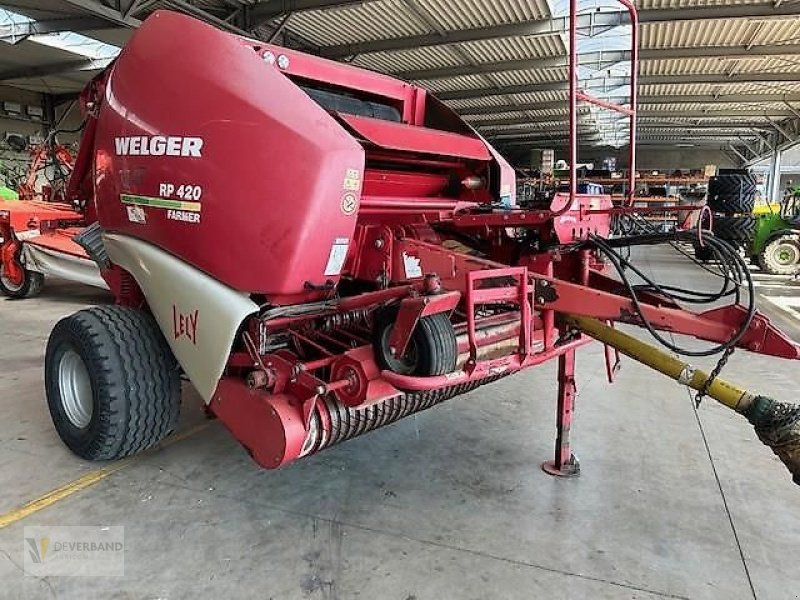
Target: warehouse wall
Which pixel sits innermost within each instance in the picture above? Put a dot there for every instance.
(662, 158)
(648, 158)
(682, 158)
(23, 120)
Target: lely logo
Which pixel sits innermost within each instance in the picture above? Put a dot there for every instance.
(184, 325)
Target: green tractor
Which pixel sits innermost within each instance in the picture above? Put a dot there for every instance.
(776, 235)
(768, 234)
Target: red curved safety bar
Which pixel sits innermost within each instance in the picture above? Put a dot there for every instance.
(575, 95)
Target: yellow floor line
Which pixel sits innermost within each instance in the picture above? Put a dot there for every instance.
(87, 480)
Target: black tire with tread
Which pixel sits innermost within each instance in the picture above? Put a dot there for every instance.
(434, 340)
(766, 257)
(732, 193)
(703, 253)
(32, 285)
(134, 376)
(738, 231)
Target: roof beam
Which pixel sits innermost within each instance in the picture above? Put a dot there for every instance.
(550, 86)
(591, 59)
(614, 82)
(661, 114)
(539, 28)
(558, 25)
(599, 60)
(643, 100)
(104, 12)
(643, 127)
(264, 11)
(731, 11)
(16, 32)
(53, 69)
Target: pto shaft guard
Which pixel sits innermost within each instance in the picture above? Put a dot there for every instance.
(777, 424)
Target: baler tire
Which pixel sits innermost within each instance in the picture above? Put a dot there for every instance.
(433, 342)
(112, 383)
(32, 284)
(770, 262)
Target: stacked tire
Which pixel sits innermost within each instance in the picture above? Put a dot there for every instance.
(736, 230)
(732, 193)
(732, 196)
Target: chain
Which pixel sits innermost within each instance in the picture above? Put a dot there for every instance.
(713, 375)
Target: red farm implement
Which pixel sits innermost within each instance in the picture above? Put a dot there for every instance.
(324, 250)
(36, 231)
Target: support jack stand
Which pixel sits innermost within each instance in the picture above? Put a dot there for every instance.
(565, 463)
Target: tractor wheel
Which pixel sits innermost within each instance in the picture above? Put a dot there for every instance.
(113, 385)
(738, 231)
(432, 349)
(30, 286)
(781, 256)
(732, 193)
(703, 253)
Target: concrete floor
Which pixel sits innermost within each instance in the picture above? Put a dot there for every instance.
(450, 504)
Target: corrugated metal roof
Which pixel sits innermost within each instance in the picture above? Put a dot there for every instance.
(721, 65)
(429, 57)
(508, 78)
(476, 119)
(358, 23)
(487, 101)
(402, 21)
(514, 48)
(710, 106)
(461, 14)
(645, 4)
(464, 82)
(726, 32)
(713, 89)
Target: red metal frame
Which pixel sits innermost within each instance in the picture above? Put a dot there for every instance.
(34, 221)
(575, 95)
(565, 464)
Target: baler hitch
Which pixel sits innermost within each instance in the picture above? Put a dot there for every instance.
(777, 424)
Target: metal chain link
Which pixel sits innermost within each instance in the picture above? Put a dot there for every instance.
(713, 375)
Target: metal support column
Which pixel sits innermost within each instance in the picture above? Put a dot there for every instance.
(775, 176)
(48, 114)
(564, 464)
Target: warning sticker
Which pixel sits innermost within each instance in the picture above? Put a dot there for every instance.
(352, 180)
(412, 266)
(337, 256)
(136, 214)
(349, 203)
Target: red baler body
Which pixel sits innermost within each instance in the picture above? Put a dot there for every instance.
(321, 194)
(266, 180)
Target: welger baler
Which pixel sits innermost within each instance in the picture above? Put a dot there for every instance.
(323, 250)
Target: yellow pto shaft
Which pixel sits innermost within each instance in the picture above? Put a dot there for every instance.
(776, 423)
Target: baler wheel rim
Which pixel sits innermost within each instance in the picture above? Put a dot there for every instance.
(406, 364)
(433, 343)
(75, 387)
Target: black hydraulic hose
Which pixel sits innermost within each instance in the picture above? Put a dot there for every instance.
(723, 251)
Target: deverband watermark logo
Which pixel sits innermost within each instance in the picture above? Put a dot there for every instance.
(74, 551)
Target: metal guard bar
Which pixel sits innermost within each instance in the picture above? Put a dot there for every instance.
(575, 95)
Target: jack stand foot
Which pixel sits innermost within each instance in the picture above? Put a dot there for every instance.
(564, 464)
(572, 468)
